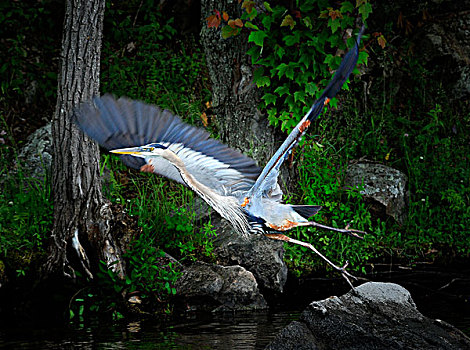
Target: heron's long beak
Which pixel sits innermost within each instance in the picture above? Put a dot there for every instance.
(131, 150)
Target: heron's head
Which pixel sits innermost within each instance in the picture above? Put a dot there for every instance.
(150, 150)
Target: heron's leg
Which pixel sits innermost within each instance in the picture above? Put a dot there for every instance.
(349, 231)
(344, 273)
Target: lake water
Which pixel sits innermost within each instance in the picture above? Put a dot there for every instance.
(438, 294)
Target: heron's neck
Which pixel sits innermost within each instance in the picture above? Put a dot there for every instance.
(226, 206)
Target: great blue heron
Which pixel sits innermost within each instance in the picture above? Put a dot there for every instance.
(157, 141)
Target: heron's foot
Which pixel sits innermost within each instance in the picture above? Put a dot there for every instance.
(346, 275)
(353, 232)
(349, 231)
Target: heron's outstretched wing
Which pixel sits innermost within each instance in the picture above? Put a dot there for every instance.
(269, 175)
(119, 123)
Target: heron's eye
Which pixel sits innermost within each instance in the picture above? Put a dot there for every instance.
(148, 149)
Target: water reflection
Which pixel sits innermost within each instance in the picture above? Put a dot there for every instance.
(437, 294)
(241, 331)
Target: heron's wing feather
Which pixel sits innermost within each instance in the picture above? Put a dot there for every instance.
(270, 172)
(120, 123)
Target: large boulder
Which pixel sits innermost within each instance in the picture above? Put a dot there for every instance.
(36, 154)
(258, 254)
(376, 316)
(210, 287)
(382, 186)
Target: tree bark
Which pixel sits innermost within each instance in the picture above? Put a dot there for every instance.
(81, 232)
(235, 96)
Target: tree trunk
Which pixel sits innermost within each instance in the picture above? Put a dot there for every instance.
(81, 232)
(235, 96)
(242, 126)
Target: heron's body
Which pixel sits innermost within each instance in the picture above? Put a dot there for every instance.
(157, 141)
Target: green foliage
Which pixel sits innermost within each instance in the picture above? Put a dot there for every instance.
(322, 168)
(25, 213)
(26, 50)
(294, 52)
(144, 59)
(431, 147)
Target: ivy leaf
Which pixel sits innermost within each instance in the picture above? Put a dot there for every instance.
(334, 14)
(287, 70)
(269, 98)
(308, 22)
(292, 39)
(213, 21)
(257, 37)
(251, 26)
(225, 16)
(290, 72)
(382, 41)
(229, 31)
(305, 60)
(235, 23)
(299, 96)
(365, 9)
(267, 6)
(279, 51)
(282, 90)
(311, 89)
(248, 5)
(254, 52)
(288, 21)
(334, 25)
(347, 6)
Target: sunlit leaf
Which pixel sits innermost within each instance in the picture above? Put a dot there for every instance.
(382, 41)
(288, 21)
(257, 37)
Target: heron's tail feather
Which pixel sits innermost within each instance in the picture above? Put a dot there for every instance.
(306, 210)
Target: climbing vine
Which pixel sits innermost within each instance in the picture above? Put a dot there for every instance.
(295, 50)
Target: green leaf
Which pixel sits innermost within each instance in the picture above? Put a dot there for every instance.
(257, 37)
(307, 22)
(288, 21)
(267, 6)
(263, 81)
(269, 98)
(281, 69)
(279, 50)
(334, 24)
(259, 78)
(347, 7)
(258, 73)
(311, 89)
(292, 39)
(305, 59)
(228, 31)
(254, 52)
(251, 25)
(299, 96)
(365, 10)
(282, 90)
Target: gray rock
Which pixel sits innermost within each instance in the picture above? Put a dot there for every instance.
(36, 154)
(379, 316)
(384, 187)
(219, 288)
(256, 253)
